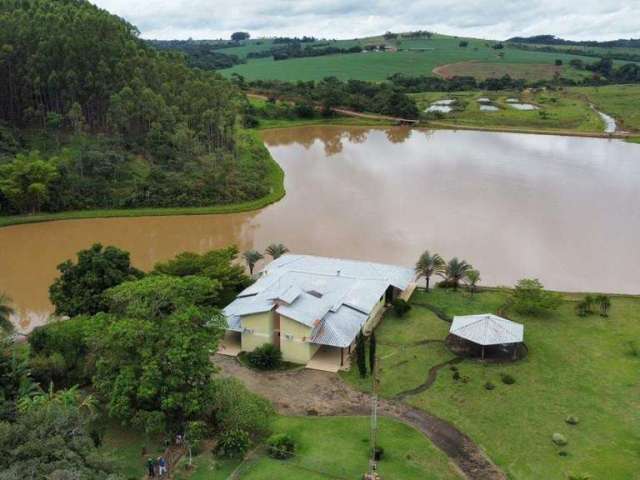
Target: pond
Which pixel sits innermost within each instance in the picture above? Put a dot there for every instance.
(565, 210)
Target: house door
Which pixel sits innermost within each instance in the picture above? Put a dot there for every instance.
(276, 329)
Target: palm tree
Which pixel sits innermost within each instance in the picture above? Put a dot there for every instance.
(252, 257)
(427, 265)
(5, 313)
(473, 277)
(455, 271)
(276, 250)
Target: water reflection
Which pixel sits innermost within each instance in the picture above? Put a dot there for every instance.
(513, 205)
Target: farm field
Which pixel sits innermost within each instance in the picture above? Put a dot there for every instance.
(576, 366)
(414, 57)
(558, 111)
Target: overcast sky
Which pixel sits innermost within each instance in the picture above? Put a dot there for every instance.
(492, 19)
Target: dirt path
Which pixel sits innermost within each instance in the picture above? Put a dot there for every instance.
(431, 377)
(311, 392)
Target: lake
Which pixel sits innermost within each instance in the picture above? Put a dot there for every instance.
(565, 210)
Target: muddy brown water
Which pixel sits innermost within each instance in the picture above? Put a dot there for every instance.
(565, 210)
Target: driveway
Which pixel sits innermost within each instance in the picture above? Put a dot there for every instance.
(311, 392)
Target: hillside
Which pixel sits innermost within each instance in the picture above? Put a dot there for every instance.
(415, 55)
(93, 118)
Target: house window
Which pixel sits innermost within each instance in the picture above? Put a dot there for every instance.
(288, 337)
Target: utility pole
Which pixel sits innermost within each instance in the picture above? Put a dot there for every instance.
(372, 473)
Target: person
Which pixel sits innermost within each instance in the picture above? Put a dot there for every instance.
(150, 467)
(162, 466)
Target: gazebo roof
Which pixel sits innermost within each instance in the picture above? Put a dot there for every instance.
(487, 329)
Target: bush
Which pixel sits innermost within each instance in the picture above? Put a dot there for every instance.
(401, 307)
(530, 298)
(559, 439)
(378, 453)
(236, 408)
(266, 357)
(456, 375)
(507, 379)
(489, 386)
(233, 443)
(571, 420)
(281, 446)
(634, 349)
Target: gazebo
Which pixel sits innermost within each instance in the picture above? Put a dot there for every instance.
(488, 330)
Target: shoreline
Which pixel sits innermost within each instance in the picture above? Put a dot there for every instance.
(277, 175)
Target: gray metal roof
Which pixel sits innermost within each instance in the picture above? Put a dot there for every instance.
(332, 295)
(487, 329)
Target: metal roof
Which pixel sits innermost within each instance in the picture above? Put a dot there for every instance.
(333, 296)
(487, 329)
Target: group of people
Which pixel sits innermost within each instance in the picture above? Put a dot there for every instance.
(157, 466)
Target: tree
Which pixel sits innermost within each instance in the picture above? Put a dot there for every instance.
(252, 257)
(372, 351)
(604, 301)
(80, 287)
(6, 325)
(153, 364)
(463, 43)
(219, 265)
(455, 271)
(276, 250)
(530, 298)
(15, 381)
(52, 437)
(239, 36)
(25, 181)
(558, 62)
(427, 265)
(361, 358)
(473, 277)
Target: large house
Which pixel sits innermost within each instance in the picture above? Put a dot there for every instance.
(312, 306)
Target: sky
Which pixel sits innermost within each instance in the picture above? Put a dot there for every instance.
(343, 19)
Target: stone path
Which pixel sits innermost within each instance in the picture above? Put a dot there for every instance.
(311, 392)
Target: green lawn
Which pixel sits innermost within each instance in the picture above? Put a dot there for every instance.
(125, 445)
(576, 366)
(338, 448)
(205, 467)
(415, 57)
(558, 111)
(620, 101)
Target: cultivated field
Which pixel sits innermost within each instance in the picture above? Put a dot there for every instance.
(576, 366)
(414, 57)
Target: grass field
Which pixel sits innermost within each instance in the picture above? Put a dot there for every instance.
(558, 111)
(338, 448)
(620, 101)
(576, 366)
(415, 57)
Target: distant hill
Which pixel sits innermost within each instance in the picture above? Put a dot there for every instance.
(553, 40)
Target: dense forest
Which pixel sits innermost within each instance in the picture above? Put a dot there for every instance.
(92, 117)
(199, 53)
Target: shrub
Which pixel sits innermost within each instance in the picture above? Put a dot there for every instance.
(456, 375)
(559, 439)
(453, 368)
(507, 379)
(378, 453)
(571, 420)
(281, 446)
(265, 357)
(233, 443)
(634, 349)
(236, 408)
(489, 386)
(530, 298)
(401, 307)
